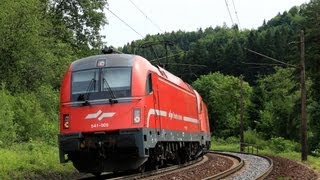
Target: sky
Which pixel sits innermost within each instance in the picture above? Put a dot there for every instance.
(160, 16)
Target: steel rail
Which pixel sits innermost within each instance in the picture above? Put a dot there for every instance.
(221, 175)
(159, 171)
(232, 171)
(266, 173)
(229, 171)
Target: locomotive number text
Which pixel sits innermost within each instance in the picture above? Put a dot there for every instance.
(99, 125)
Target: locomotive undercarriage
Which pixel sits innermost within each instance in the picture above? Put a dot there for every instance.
(126, 150)
(168, 153)
(164, 154)
(99, 152)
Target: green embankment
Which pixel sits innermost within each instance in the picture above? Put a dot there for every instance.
(32, 160)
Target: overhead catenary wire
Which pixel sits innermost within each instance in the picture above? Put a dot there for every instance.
(263, 64)
(124, 22)
(229, 11)
(236, 13)
(153, 60)
(273, 59)
(157, 59)
(144, 14)
(182, 64)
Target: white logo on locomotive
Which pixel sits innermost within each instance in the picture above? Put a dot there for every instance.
(100, 115)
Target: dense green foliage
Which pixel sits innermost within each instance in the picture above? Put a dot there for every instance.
(278, 99)
(222, 96)
(39, 39)
(7, 133)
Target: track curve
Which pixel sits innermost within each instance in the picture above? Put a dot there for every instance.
(214, 165)
(255, 166)
(147, 174)
(236, 166)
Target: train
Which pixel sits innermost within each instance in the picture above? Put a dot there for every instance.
(118, 112)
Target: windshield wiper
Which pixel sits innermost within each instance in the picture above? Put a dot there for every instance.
(113, 97)
(85, 97)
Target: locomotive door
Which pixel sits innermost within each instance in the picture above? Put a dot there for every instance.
(156, 102)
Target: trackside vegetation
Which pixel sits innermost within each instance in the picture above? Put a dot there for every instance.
(40, 38)
(276, 146)
(33, 160)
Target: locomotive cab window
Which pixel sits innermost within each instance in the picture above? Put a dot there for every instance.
(101, 83)
(149, 84)
(85, 81)
(116, 80)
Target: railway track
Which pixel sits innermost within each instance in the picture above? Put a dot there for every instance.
(148, 174)
(252, 167)
(214, 165)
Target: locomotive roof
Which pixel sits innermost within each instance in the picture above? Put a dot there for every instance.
(116, 60)
(110, 59)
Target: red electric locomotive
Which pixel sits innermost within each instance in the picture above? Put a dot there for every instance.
(119, 112)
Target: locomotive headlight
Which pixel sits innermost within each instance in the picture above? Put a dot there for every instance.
(101, 63)
(136, 115)
(66, 121)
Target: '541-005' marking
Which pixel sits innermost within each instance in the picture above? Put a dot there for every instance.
(99, 125)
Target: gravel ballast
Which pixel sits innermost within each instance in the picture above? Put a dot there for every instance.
(214, 165)
(287, 169)
(254, 166)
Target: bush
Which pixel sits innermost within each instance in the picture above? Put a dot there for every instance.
(8, 127)
(232, 140)
(27, 116)
(218, 140)
(49, 101)
(229, 140)
(316, 151)
(251, 137)
(255, 139)
(279, 144)
(221, 94)
(32, 120)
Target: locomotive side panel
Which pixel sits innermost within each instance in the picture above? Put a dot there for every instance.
(180, 105)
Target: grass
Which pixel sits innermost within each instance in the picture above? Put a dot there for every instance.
(225, 147)
(31, 160)
(313, 162)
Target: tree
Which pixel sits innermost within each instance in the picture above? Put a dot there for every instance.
(7, 134)
(279, 111)
(312, 29)
(222, 96)
(23, 52)
(78, 22)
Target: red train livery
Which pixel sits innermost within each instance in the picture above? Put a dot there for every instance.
(119, 112)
